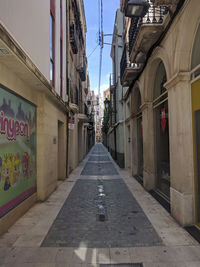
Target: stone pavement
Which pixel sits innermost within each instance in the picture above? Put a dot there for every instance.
(99, 216)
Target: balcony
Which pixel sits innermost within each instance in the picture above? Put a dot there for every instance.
(73, 38)
(128, 71)
(144, 32)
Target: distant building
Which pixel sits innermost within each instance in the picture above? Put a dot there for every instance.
(114, 139)
(106, 94)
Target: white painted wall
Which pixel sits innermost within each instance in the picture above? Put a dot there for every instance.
(28, 23)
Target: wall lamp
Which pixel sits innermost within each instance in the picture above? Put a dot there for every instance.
(136, 8)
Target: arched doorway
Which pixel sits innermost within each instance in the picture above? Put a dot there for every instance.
(161, 128)
(195, 87)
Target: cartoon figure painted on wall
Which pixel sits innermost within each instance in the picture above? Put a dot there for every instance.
(30, 164)
(25, 159)
(15, 168)
(6, 172)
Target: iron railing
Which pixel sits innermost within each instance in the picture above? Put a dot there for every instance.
(125, 62)
(155, 15)
(73, 38)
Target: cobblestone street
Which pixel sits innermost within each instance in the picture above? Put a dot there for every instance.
(100, 216)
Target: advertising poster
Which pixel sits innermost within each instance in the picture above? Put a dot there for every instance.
(17, 150)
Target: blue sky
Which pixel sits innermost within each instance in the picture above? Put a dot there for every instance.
(92, 20)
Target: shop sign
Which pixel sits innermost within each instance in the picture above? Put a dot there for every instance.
(163, 119)
(17, 150)
(71, 123)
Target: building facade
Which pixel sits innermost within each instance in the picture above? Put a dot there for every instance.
(40, 76)
(116, 123)
(78, 82)
(161, 98)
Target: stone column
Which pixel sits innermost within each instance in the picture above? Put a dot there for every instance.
(181, 148)
(149, 176)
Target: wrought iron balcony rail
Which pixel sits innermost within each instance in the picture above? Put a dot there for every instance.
(73, 38)
(125, 63)
(78, 21)
(155, 15)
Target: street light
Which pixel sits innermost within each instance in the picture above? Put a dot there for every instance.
(106, 103)
(136, 8)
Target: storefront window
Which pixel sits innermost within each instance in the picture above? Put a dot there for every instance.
(161, 132)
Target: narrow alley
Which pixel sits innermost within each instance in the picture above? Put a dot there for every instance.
(99, 216)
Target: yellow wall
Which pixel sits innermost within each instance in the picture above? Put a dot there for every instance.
(195, 107)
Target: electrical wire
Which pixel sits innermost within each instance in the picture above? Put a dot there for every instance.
(100, 68)
(92, 51)
(100, 42)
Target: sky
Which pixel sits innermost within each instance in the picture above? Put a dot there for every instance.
(92, 21)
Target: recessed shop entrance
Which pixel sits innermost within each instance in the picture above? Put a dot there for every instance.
(161, 129)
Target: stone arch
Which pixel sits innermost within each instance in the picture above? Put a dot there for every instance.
(195, 56)
(152, 67)
(136, 90)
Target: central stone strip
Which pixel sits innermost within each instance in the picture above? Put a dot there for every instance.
(77, 225)
(99, 169)
(99, 158)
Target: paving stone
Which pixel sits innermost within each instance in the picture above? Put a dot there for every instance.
(122, 265)
(77, 225)
(99, 158)
(99, 169)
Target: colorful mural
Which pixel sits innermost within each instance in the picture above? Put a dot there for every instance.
(17, 150)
